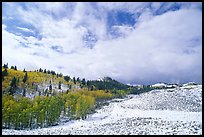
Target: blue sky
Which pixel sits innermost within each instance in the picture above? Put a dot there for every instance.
(132, 42)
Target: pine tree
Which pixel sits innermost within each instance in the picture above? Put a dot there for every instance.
(83, 81)
(5, 66)
(25, 77)
(15, 68)
(60, 75)
(50, 87)
(48, 71)
(74, 80)
(12, 67)
(66, 78)
(24, 92)
(78, 79)
(5, 72)
(53, 72)
(13, 86)
(70, 87)
(60, 85)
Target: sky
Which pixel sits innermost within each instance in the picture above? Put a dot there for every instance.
(132, 42)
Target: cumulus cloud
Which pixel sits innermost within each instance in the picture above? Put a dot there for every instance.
(164, 47)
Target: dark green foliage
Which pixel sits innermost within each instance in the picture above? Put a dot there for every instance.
(12, 67)
(106, 84)
(24, 92)
(70, 87)
(40, 70)
(83, 81)
(67, 78)
(4, 73)
(48, 71)
(88, 83)
(141, 89)
(13, 86)
(74, 80)
(53, 72)
(15, 68)
(5, 66)
(25, 78)
(44, 70)
(50, 87)
(60, 75)
(60, 85)
(24, 70)
(78, 79)
(13, 82)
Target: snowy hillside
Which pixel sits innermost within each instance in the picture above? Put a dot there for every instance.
(165, 111)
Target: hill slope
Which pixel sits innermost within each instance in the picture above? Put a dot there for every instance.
(162, 112)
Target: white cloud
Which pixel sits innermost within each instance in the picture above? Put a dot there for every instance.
(25, 29)
(166, 47)
(90, 17)
(125, 6)
(156, 5)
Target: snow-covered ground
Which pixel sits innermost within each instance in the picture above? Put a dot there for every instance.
(171, 111)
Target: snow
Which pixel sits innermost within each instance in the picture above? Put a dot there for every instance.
(159, 85)
(175, 111)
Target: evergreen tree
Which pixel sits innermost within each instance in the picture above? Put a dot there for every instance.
(24, 70)
(13, 82)
(88, 84)
(25, 77)
(24, 92)
(66, 78)
(44, 70)
(13, 86)
(5, 72)
(60, 75)
(83, 81)
(53, 72)
(50, 87)
(74, 80)
(12, 67)
(15, 68)
(70, 87)
(5, 66)
(48, 71)
(60, 85)
(40, 70)
(78, 79)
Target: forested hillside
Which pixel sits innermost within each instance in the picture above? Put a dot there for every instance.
(32, 99)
